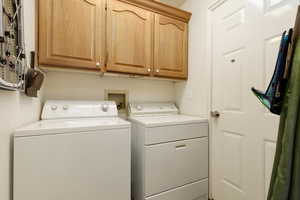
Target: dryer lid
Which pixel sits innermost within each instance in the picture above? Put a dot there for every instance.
(167, 120)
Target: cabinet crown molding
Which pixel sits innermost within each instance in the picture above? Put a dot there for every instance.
(162, 9)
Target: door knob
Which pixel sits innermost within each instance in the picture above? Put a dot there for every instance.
(215, 114)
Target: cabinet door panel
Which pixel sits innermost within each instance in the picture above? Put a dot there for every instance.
(174, 164)
(70, 32)
(170, 58)
(129, 38)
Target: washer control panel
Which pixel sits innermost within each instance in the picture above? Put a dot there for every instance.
(79, 109)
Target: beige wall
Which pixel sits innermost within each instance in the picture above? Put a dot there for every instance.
(76, 86)
(15, 110)
(176, 3)
(192, 96)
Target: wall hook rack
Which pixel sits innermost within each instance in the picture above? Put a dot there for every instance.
(12, 45)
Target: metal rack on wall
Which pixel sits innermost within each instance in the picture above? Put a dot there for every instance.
(12, 46)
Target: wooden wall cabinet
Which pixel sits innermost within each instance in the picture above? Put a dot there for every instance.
(71, 33)
(129, 38)
(170, 49)
(142, 37)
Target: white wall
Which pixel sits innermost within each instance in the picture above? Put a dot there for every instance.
(15, 110)
(76, 86)
(192, 96)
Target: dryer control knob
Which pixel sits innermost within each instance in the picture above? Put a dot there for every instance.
(65, 107)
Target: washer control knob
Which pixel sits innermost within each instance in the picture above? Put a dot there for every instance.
(139, 107)
(53, 107)
(105, 107)
(65, 107)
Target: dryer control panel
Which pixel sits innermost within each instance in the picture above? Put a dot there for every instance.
(137, 109)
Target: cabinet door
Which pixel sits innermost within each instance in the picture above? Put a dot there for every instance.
(170, 59)
(129, 39)
(70, 33)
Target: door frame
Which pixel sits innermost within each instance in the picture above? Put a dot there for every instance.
(209, 46)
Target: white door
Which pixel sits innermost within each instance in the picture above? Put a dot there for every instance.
(245, 41)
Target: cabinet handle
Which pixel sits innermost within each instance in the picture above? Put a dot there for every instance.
(98, 64)
(149, 70)
(157, 70)
(181, 146)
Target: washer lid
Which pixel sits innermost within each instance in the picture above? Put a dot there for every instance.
(79, 109)
(59, 126)
(167, 120)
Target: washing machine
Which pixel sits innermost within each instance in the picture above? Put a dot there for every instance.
(169, 153)
(79, 150)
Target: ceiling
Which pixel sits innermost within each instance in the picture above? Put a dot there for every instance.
(175, 3)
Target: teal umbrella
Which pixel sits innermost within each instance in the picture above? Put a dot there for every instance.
(272, 98)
